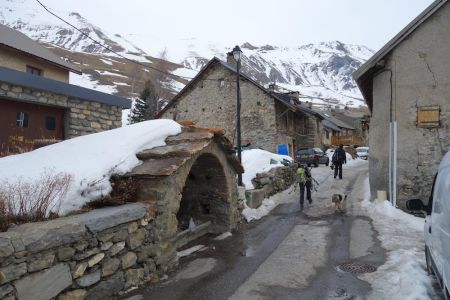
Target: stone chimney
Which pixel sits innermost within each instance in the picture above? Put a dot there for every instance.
(295, 97)
(272, 87)
(230, 59)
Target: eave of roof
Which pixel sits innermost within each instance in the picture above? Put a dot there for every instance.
(365, 72)
(18, 41)
(44, 84)
(328, 124)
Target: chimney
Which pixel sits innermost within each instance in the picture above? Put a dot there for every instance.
(272, 87)
(230, 59)
(295, 97)
(310, 104)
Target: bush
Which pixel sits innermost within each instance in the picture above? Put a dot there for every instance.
(24, 201)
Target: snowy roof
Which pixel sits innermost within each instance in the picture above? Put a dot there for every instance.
(41, 83)
(363, 76)
(19, 41)
(215, 60)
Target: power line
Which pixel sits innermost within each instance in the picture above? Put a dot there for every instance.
(111, 50)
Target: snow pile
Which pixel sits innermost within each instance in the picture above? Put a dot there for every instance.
(268, 204)
(189, 251)
(403, 276)
(223, 236)
(258, 161)
(90, 159)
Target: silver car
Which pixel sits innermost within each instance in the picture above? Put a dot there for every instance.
(437, 225)
(362, 152)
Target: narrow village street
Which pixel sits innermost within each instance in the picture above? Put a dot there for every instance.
(288, 254)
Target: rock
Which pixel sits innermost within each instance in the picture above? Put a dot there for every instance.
(116, 248)
(21, 254)
(73, 295)
(41, 262)
(44, 285)
(146, 251)
(79, 270)
(17, 244)
(86, 254)
(106, 246)
(120, 235)
(81, 245)
(12, 272)
(134, 277)
(128, 260)
(107, 288)
(144, 222)
(104, 218)
(89, 279)
(132, 227)
(96, 259)
(110, 266)
(105, 237)
(6, 248)
(150, 265)
(65, 253)
(5, 290)
(136, 239)
(40, 236)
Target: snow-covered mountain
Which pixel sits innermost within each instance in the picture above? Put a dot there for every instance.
(321, 72)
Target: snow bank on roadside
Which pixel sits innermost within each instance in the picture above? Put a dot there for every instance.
(268, 204)
(403, 276)
(90, 159)
(258, 161)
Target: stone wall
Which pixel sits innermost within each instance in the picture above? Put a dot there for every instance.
(417, 74)
(89, 256)
(270, 183)
(81, 117)
(212, 103)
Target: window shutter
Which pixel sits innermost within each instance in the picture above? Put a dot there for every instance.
(428, 116)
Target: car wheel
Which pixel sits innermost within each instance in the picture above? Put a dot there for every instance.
(428, 261)
(316, 165)
(327, 163)
(309, 165)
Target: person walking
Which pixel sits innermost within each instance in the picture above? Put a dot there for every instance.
(339, 158)
(305, 183)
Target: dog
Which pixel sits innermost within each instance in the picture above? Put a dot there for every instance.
(338, 201)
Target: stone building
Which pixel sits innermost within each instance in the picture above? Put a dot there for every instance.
(38, 105)
(268, 119)
(406, 86)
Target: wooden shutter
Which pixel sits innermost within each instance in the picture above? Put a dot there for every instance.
(428, 116)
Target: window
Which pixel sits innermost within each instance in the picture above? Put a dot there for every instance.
(22, 119)
(50, 123)
(34, 71)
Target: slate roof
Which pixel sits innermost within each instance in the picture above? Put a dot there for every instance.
(41, 83)
(334, 121)
(363, 76)
(19, 41)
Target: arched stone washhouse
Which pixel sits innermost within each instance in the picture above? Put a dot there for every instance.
(193, 176)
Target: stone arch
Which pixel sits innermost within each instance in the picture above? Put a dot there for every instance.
(205, 196)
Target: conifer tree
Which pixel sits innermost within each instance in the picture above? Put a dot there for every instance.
(146, 106)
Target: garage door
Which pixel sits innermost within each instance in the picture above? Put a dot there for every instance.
(25, 126)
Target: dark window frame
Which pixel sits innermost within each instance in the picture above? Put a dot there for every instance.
(50, 123)
(22, 119)
(34, 71)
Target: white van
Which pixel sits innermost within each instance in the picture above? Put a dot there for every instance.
(437, 225)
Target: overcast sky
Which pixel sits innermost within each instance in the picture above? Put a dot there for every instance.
(281, 22)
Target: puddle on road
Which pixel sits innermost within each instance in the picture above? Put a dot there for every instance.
(196, 268)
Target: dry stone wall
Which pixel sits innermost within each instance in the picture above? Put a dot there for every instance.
(91, 256)
(82, 116)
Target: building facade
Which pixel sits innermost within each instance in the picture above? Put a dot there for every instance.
(38, 106)
(268, 119)
(406, 86)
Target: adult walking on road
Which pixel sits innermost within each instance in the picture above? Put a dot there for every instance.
(339, 158)
(305, 182)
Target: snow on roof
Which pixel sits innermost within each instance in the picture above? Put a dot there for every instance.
(90, 158)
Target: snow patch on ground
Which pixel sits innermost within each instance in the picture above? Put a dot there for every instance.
(258, 161)
(89, 159)
(223, 236)
(268, 204)
(403, 276)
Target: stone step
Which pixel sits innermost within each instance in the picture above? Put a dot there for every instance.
(159, 167)
(176, 150)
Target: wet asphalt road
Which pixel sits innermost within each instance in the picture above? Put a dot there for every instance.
(287, 255)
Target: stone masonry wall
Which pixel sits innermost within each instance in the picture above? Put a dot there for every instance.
(82, 116)
(90, 256)
(212, 103)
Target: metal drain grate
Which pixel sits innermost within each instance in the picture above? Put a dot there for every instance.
(357, 268)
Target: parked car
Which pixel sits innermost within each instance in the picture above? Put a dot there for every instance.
(437, 225)
(312, 156)
(363, 152)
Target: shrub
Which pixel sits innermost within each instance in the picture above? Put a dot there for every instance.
(124, 191)
(23, 201)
